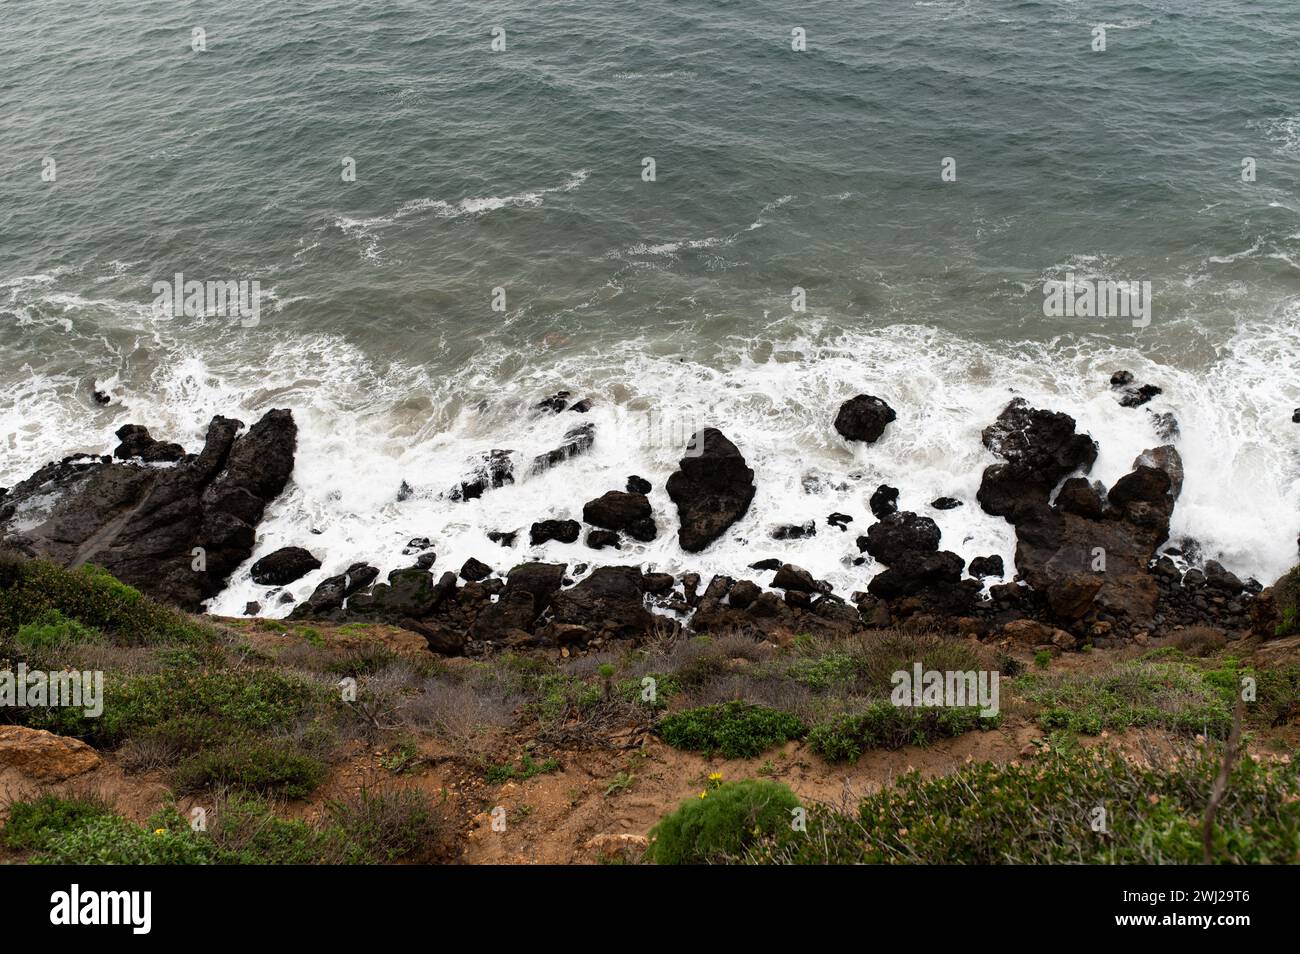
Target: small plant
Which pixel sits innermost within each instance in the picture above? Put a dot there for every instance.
(527, 768)
(720, 823)
(254, 766)
(401, 758)
(32, 825)
(1043, 658)
(733, 729)
(621, 783)
(884, 725)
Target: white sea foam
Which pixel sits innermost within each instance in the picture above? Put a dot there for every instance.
(365, 429)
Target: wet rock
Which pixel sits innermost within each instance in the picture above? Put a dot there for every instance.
(1166, 458)
(252, 608)
(841, 520)
(492, 471)
(900, 534)
(983, 566)
(283, 566)
(657, 584)
(473, 570)
(330, 593)
(638, 485)
(863, 418)
(565, 531)
(409, 593)
(143, 524)
(609, 602)
(912, 572)
(529, 590)
(790, 577)
(599, 539)
(945, 503)
(1218, 578)
(415, 545)
(769, 564)
(884, 501)
(426, 560)
(743, 593)
(554, 404)
(1165, 425)
(577, 440)
(1136, 397)
(1038, 449)
(1121, 379)
(644, 529)
(794, 531)
(504, 538)
(581, 407)
(136, 443)
(712, 489)
(1081, 497)
(616, 510)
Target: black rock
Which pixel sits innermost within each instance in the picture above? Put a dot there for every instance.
(565, 531)
(503, 537)
(790, 577)
(712, 489)
(136, 442)
(884, 501)
(794, 531)
(556, 403)
(841, 520)
(900, 534)
(1136, 397)
(616, 510)
(145, 524)
(426, 560)
(863, 418)
(576, 440)
(581, 407)
(599, 539)
(329, 594)
(492, 471)
(945, 503)
(474, 570)
(283, 566)
(638, 485)
(769, 564)
(987, 566)
(1121, 379)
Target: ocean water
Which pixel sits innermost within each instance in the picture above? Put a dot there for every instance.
(667, 302)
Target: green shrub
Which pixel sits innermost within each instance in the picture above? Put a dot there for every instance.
(374, 827)
(733, 729)
(718, 826)
(189, 709)
(884, 725)
(53, 630)
(251, 765)
(29, 589)
(1042, 812)
(33, 824)
(112, 840)
(1178, 696)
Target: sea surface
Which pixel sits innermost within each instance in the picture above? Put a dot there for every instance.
(668, 302)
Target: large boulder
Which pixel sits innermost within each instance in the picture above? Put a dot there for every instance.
(529, 590)
(863, 418)
(44, 757)
(900, 534)
(326, 601)
(283, 566)
(176, 533)
(610, 602)
(712, 489)
(617, 510)
(1038, 449)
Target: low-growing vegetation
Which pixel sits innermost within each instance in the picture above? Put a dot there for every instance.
(723, 822)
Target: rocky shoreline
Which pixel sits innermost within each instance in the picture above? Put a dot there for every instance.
(1090, 569)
